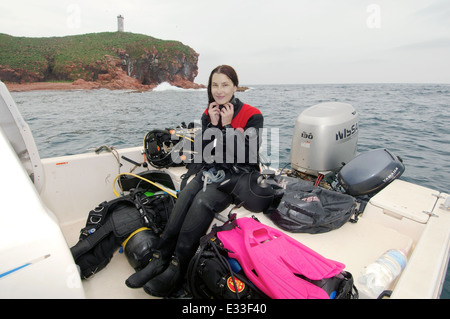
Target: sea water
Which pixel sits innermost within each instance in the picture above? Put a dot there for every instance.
(410, 120)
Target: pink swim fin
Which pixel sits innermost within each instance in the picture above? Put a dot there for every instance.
(271, 259)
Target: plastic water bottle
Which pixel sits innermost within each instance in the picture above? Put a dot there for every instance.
(379, 275)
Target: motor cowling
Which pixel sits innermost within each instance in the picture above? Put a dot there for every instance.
(325, 137)
(370, 172)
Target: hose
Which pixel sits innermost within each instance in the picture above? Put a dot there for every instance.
(212, 176)
(162, 187)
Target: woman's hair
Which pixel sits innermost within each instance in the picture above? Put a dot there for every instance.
(223, 69)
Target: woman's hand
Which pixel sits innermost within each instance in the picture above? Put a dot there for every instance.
(214, 113)
(227, 113)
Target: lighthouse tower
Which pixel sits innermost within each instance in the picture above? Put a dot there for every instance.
(120, 23)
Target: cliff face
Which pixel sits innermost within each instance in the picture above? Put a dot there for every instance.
(112, 60)
(154, 67)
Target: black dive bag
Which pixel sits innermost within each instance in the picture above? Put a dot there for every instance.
(301, 207)
(212, 275)
(112, 222)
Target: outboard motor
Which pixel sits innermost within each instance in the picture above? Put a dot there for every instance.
(370, 172)
(325, 137)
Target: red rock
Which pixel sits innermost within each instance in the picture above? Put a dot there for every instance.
(113, 75)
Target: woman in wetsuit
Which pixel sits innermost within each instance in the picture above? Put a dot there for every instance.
(230, 135)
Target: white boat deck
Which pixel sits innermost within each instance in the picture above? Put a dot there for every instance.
(387, 223)
(364, 239)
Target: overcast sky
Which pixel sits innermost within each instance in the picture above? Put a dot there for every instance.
(266, 41)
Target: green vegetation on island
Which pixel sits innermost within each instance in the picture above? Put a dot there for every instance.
(86, 56)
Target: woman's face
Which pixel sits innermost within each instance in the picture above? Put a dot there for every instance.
(222, 88)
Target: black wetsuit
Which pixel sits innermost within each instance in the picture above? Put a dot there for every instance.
(195, 208)
(196, 203)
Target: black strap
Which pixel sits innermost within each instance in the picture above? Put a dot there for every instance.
(91, 241)
(98, 226)
(228, 225)
(193, 168)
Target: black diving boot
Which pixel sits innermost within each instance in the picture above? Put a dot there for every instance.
(167, 282)
(155, 266)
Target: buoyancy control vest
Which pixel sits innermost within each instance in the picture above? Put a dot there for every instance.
(112, 222)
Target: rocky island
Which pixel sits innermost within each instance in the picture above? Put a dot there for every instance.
(113, 60)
